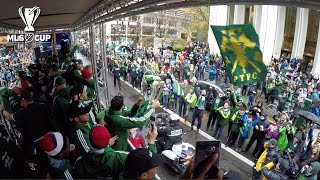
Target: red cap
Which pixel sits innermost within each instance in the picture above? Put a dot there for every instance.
(51, 143)
(86, 73)
(99, 137)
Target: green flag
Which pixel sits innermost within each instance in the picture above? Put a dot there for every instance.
(240, 50)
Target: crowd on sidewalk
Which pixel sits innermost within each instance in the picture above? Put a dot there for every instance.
(172, 77)
(51, 128)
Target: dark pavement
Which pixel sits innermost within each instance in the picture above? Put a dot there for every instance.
(229, 159)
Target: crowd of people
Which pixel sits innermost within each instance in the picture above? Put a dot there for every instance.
(50, 126)
(242, 111)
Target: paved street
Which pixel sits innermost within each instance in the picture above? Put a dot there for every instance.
(229, 160)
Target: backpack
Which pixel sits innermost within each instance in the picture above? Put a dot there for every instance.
(290, 167)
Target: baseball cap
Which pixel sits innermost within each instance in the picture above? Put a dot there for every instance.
(60, 80)
(79, 61)
(273, 141)
(86, 73)
(77, 109)
(51, 143)
(140, 161)
(99, 137)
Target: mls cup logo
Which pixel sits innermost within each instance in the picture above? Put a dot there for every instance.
(29, 17)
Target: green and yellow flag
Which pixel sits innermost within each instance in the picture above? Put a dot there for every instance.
(240, 50)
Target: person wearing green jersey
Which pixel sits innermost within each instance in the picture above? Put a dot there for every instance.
(223, 117)
(200, 107)
(120, 120)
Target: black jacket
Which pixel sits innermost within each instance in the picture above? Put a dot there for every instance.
(173, 135)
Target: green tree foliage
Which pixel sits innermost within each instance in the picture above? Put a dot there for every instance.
(199, 22)
(147, 41)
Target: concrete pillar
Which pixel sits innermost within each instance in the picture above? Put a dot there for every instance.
(257, 18)
(280, 31)
(239, 14)
(271, 31)
(218, 16)
(268, 31)
(300, 34)
(54, 43)
(316, 63)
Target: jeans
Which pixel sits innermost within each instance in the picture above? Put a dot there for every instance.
(218, 131)
(198, 113)
(241, 141)
(201, 75)
(258, 144)
(212, 117)
(134, 81)
(115, 80)
(182, 107)
(165, 100)
(233, 136)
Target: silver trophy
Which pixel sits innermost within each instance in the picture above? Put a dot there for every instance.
(29, 17)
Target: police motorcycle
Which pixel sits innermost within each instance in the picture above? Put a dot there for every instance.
(169, 142)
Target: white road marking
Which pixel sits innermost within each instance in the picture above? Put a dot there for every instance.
(206, 135)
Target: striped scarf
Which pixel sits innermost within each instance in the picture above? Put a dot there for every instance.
(176, 87)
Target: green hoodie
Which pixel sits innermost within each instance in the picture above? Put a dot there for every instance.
(314, 173)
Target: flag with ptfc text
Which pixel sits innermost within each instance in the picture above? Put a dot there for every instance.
(240, 50)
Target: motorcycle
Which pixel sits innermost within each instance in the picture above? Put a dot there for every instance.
(179, 155)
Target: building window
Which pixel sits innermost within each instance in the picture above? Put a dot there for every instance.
(312, 32)
(249, 13)
(289, 29)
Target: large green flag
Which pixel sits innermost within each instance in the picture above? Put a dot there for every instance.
(240, 50)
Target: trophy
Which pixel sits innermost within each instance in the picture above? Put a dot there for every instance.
(29, 17)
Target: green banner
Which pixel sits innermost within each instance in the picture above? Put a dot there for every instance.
(240, 50)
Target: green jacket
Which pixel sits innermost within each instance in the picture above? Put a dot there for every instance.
(80, 137)
(100, 164)
(283, 139)
(103, 163)
(60, 169)
(120, 122)
(236, 122)
(191, 100)
(223, 116)
(314, 173)
(60, 107)
(278, 85)
(91, 93)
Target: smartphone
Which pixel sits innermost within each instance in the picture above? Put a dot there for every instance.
(205, 148)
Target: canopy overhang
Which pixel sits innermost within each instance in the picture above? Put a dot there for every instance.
(79, 14)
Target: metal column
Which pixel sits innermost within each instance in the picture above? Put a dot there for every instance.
(94, 65)
(54, 42)
(104, 72)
